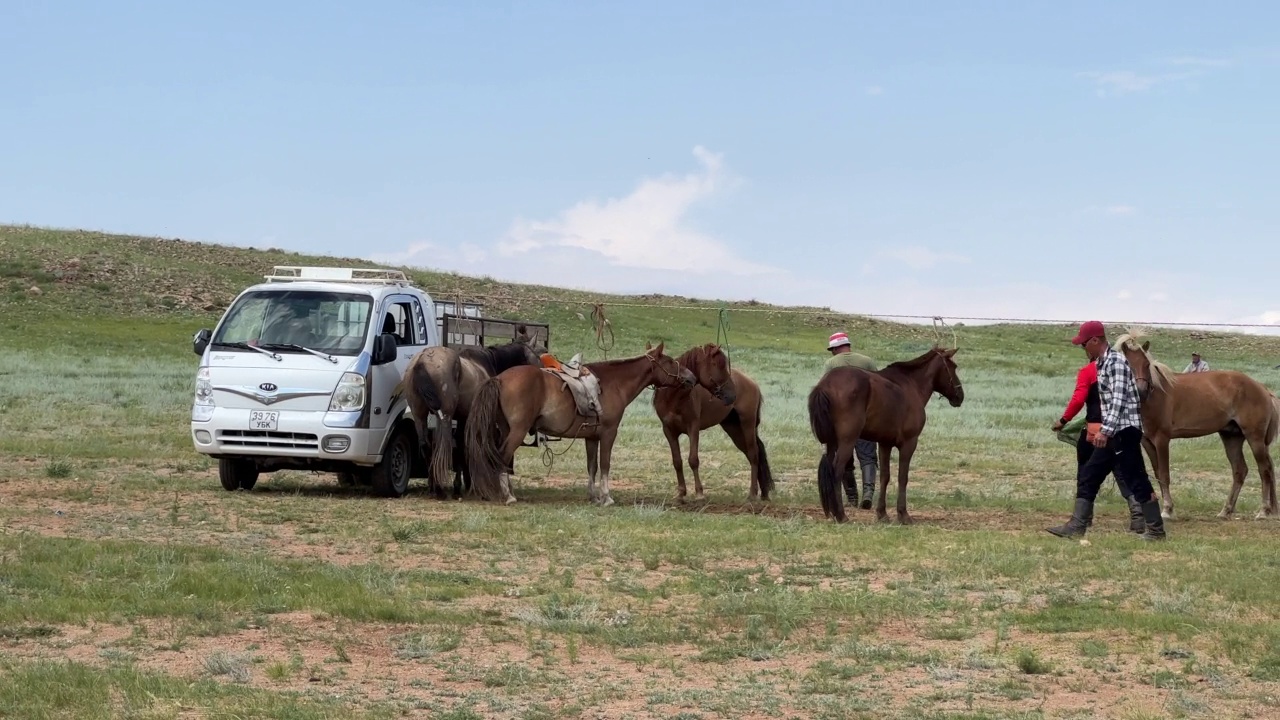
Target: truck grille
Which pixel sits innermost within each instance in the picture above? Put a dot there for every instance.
(269, 439)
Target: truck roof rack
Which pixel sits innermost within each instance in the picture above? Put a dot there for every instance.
(362, 276)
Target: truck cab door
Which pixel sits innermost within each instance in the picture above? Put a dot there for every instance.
(401, 315)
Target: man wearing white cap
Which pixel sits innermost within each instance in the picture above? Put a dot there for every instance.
(842, 355)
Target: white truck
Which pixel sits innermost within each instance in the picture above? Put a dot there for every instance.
(301, 372)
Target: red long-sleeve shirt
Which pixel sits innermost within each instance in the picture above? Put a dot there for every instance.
(1087, 376)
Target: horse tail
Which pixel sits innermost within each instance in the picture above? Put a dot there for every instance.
(820, 423)
(824, 430)
(429, 398)
(766, 475)
(486, 434)
(1273, 427)
(762, 457)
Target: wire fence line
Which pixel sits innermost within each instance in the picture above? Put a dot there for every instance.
(737, 308)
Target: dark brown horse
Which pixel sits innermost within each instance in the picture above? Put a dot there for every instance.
(1232, 404)
(723, 397)
(523, 399)
(444, 382)
(886, 407)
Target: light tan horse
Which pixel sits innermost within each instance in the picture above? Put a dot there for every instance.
(1232, 404)
(512, 404)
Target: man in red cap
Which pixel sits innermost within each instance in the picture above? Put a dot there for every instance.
(842, 355)
(1118, 443)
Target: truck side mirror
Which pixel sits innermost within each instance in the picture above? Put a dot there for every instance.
(201, 341)
(384, 349)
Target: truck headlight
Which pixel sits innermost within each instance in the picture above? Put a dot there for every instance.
(204, 388)
(349, 395)
(202, 407)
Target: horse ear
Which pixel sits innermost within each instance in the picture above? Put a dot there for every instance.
(658, 350)
(952, 352)
(648, 346)
(1146, 345)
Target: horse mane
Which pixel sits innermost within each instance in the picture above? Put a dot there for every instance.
(917, 362)
(687, 359)
(496, 358)
(1162, 375)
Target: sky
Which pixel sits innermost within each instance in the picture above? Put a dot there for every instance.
(1015, 159)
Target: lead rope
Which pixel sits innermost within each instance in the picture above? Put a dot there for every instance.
(602, 325)
(722, 331)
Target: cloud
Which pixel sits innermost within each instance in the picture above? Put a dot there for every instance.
(1117, 210)
(874, 90)
(647, 229)
(1128, 82)
(1171, 71)
(920, 258)
(1203, 62)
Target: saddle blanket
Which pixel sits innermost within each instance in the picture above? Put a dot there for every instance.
(583, 386)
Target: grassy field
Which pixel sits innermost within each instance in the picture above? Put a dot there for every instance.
(132, 585)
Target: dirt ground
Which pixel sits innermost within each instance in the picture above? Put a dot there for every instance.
(519, 674)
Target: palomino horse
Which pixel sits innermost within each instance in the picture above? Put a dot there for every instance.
(444, 381)
(886, 407)
(523, 399)
(1232, 404)
(723, 397)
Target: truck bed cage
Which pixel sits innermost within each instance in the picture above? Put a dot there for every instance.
(361, 276)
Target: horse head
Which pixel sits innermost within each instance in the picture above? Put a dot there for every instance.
(666, 370)
(946, 382)
(1148, 373)
(711, 368)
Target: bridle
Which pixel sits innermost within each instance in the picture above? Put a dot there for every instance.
(719, 389)
(668, 373)
(955, 379)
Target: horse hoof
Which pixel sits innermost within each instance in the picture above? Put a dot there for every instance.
(511, 500)
(905, 519)
(1166, 514)
(1224, 515)
(882, 517)
(608, 500)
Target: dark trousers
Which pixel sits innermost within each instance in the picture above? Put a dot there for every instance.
(864, 455)
(1122, 456)
(1084, 451)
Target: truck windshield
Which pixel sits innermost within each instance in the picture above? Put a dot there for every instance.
(334, 323)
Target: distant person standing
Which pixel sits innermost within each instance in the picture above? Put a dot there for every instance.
(1197, 365)
(842, 355)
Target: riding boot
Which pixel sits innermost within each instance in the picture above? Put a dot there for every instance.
(1153, 521)
(850, 485)
(1137, 521)
(1080, 520)
(868, 485)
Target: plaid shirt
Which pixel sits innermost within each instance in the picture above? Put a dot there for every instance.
(1121, 407)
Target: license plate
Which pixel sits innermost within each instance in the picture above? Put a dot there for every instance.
(263, 419)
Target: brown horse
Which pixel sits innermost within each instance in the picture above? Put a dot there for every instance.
(723, 397)
(1232, 404)
(524, 399)
(444, 382)
(886, 407)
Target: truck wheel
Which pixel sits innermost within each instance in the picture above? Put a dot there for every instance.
(237, 474)
(390, 477)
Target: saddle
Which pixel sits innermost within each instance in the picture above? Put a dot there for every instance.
(583, 386)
